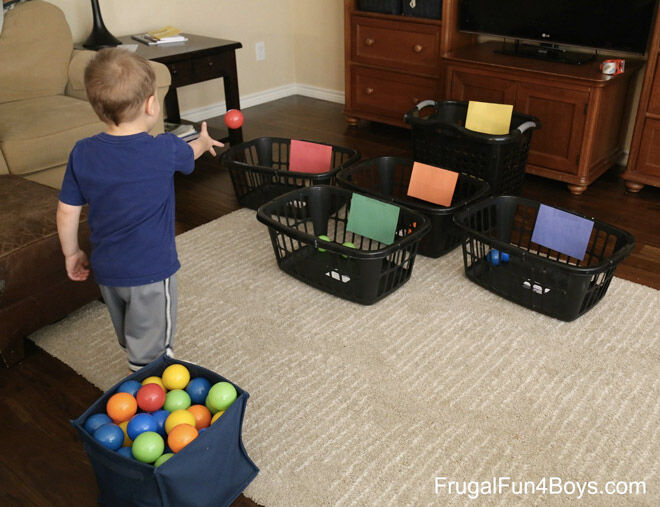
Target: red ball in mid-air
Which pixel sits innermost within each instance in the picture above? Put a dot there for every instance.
(234, 119)
(150, 397)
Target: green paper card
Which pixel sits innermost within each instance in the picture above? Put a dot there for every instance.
(373, 219)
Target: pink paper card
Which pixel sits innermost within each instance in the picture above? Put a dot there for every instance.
(305, 157)
(432, 184)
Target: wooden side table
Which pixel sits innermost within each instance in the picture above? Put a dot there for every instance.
(199, 59)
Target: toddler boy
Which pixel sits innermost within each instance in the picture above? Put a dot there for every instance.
(127, 178)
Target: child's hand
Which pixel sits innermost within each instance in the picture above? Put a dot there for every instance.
(204, 143)
(77, 266)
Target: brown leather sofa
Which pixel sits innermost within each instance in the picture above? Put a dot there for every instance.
(34, 288)
(43, 106)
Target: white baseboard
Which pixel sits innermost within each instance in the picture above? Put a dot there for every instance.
(254, 99)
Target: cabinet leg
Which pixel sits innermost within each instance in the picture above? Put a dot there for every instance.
(633, 186)
(352, 121)
(12, 352)
(577, 189)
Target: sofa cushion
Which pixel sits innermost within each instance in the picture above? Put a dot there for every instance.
(39, 133)
(35, 49)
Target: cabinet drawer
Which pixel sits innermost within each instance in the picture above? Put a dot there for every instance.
(181, 72)
(390, 94)
(404, 46)
(208, 67)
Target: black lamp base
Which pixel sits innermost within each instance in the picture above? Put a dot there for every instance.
(100, 36)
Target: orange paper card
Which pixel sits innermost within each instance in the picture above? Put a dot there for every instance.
(305, 157)
(432, 184)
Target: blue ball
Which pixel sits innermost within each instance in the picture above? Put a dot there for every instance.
(197, 389)
(127, 452)
(95, 421)
(130, 386)
(110, 436)
(140, 423)
(160, 416)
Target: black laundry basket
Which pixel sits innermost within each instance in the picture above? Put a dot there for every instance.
(388, 178)
(441, 139)
(534, 276)
(364, 274)
(259, 169)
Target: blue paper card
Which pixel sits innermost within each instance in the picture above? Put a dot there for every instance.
(561, 231)
(373, 219)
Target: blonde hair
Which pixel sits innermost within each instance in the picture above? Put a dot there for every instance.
(118, 83)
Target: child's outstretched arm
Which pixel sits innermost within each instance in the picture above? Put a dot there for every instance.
(204, 143)
(75, 260)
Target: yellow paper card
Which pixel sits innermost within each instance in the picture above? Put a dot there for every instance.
(432, 184)
(489, 118)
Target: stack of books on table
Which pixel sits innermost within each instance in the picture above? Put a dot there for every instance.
(167, 35)
(182, 131)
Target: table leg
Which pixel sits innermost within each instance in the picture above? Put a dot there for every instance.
(232, 98)
(172, 114)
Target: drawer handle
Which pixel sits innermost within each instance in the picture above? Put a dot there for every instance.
(418, 48)
(173, 69)
(369, 91)
(369, 41)
(415, 100)
(210, 64)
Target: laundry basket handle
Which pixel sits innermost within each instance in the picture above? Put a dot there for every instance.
(525, 126)
(425, 103)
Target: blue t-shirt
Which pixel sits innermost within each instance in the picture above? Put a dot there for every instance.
(128, 182)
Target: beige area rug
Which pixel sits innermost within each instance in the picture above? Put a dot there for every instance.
(355, 405)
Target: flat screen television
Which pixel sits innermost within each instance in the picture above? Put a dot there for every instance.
(614, 25)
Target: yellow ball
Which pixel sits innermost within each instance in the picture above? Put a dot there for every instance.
(179, 417)
(176, 376)
(154, 380)
(127, 441)
(217, 416)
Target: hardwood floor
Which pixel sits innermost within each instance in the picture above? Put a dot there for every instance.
(42, 462)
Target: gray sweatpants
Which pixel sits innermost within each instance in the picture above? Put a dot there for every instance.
(144, 318)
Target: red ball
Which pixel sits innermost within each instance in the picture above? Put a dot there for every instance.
(234, 118)
(150, 397)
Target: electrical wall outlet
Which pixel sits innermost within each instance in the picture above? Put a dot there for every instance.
(260, 50)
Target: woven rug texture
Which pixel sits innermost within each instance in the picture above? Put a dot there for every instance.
(369, 405)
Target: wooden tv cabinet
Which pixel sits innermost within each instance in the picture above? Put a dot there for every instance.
(394, 62)
(583, 112)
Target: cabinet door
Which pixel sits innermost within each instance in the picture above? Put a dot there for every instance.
(649, 149)
(473, 85)
(654, 97)
(562, 113)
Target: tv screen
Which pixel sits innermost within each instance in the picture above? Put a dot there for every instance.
(619, 25)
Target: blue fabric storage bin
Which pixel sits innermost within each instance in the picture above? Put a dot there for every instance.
(213, 470)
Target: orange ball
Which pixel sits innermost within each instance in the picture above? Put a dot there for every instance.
(181, 436)
(121, 407)
(202, 416)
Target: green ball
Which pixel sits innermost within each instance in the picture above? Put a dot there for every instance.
(325, 238)
(148, 447)
(163, 459)
(221, 395)
(176, 399)
(211, 408)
